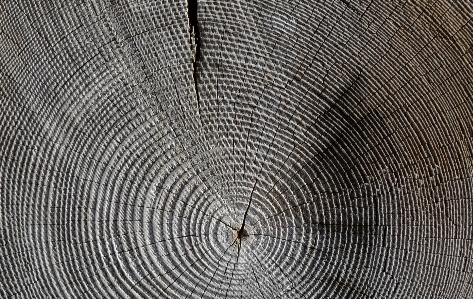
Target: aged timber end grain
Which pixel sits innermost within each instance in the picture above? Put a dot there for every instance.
(236, 149)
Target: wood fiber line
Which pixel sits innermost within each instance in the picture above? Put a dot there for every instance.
(236, 149)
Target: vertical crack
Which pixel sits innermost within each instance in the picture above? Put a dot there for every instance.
(194, 26)
(242, 233)
(195, 41)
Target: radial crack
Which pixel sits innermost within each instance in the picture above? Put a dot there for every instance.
(242, 232)
(194, 26)
(195, 42)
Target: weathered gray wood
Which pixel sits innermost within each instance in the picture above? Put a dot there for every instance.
(236, 149)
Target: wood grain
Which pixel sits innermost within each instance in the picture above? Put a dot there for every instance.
(236, 149)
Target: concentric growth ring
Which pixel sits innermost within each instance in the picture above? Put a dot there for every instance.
(236, 149)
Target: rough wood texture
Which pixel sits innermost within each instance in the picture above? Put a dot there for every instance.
(236, 149)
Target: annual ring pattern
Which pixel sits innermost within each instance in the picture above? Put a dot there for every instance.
(236, 149)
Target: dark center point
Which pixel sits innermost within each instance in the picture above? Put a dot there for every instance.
(242, 234)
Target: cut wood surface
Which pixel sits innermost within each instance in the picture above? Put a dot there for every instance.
(236, 149)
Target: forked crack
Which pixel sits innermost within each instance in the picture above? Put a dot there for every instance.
(242, 234)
